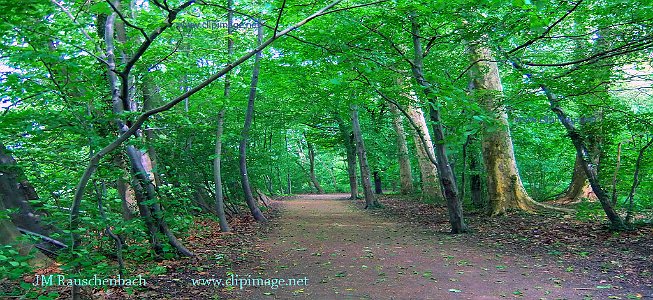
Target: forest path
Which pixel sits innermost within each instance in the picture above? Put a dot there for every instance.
(349, 253)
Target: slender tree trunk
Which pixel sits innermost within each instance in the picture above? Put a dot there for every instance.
(581, 151)
(631, 195)
(614, 176)
(370, 200)
(249, 114)
(350, 151)
(431, 189)
(405, 173)
(447, 179)
(505, 188)
(122, 101)
(311, 159)
(217, 168)
(475, 181)
(378, 188)
(217, 175)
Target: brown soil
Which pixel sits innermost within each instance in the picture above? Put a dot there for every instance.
(346, 252)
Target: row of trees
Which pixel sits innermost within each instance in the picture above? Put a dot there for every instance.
(128, 121)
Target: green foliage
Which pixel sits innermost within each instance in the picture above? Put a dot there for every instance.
(56, 109)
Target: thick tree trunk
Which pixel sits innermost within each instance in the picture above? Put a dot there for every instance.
(370, 199)
(16, 193)
(505, 188)
(405, 172)
(9, 235)
(431, 188)
(447, 179)
(579, 186)
(249, 114)
(311, 159)
(350, 151)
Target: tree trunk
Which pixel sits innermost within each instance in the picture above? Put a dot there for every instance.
(579, 186)
(217, 175)
(311, 159)
(350, 150)
(405, 173)
(505, 188)
(13, 195)
(16, 195)
(9, 235)
(631, 195)
(614, 176)
(431, 189)
(454, 205)
(121, 96)
(249, 114)
(217, 167)
(475, 180)
(370, 200)
(378, 189)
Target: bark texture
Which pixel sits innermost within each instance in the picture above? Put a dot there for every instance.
(431, 189)
(249, 114)
(217, 176)
(579, 187)
(311, 159)
(370, 199)
(447, 178)
(350, 150)
(405, 172)
(505, 188)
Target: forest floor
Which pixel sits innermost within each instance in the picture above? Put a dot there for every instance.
(334, 249)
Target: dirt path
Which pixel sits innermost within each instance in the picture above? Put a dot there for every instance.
(349, 253)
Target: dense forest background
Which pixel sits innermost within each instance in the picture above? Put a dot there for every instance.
(123, 122)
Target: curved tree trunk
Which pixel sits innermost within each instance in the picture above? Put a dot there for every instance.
(405, 172)
(505, 188)
(217, 167)
(122, 99)
(249, 114)
(370, 199)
